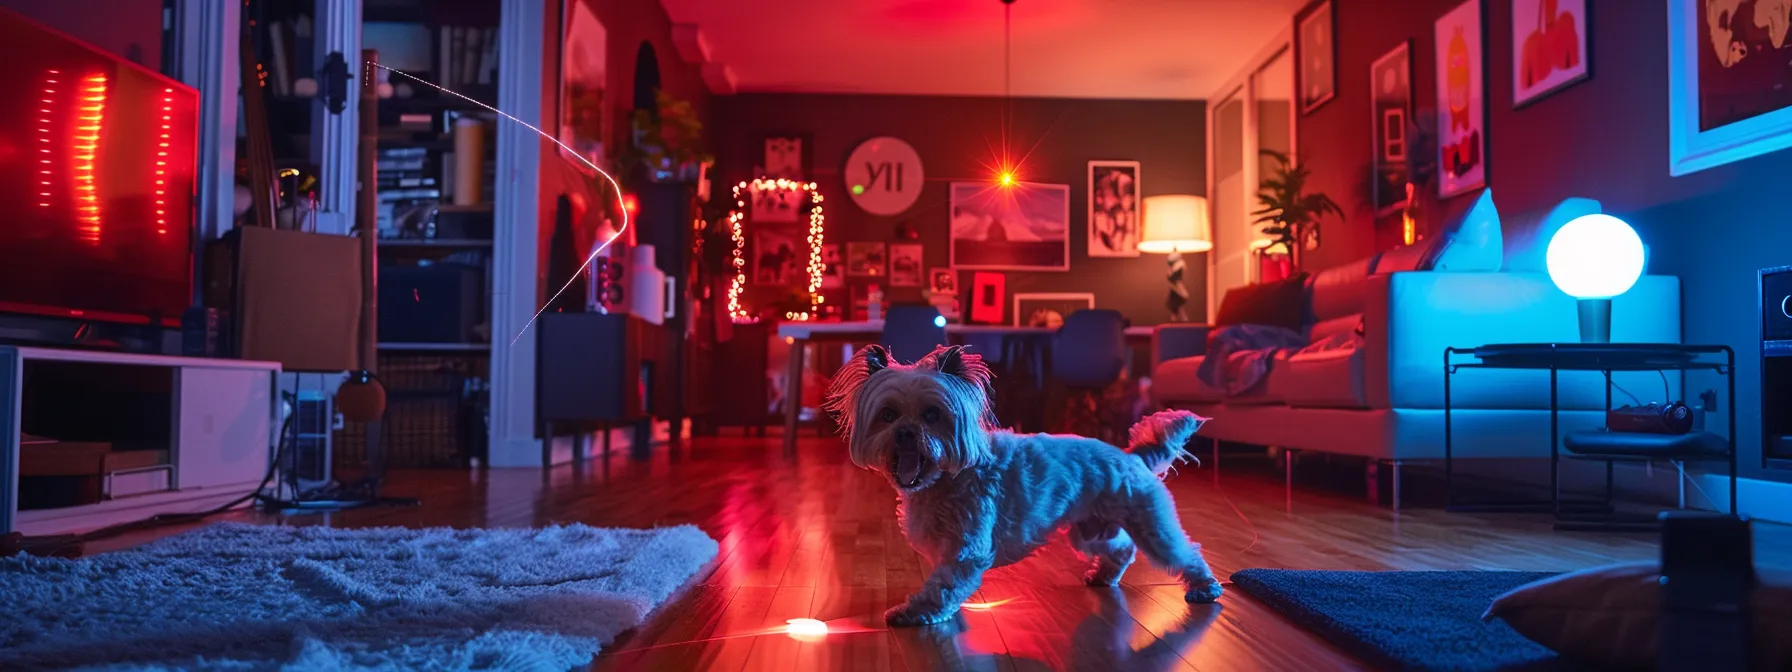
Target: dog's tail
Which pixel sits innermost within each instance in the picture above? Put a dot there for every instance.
(1159, 439)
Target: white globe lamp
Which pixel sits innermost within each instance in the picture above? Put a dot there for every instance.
(1594, 258)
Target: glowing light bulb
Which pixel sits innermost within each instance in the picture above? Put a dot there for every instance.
(1006, 179)
(939, 321)
(858, 190)
(805, 628)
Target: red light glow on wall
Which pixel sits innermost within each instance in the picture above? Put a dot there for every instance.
(162, 162)
(46, 148)
(90, 114)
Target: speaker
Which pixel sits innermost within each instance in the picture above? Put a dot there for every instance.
(438, 303)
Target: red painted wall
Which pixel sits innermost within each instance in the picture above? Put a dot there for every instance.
(1604, 138)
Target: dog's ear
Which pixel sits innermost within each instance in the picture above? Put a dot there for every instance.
(843, 393)
(954, 361)
(876, 359)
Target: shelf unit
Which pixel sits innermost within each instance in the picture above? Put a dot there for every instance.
(437, 417)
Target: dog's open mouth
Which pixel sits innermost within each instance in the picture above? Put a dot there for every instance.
(909, 468)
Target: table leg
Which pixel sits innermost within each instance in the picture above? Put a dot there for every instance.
(793, 393)
(1555, 452)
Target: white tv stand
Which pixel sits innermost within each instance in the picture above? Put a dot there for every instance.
(224, 431)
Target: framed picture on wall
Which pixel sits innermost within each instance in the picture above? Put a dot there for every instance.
(584, 115)
(905, 265)
(1049, 310)
(1025, 227)
(1729, 90)
(943, 281)
(1461, 101)
(1317, 53)
(776, 205)
(833, 268)
(786, 156)
(1390, 105)
(1549, 47)
(775, 257)
(1114, 209)
(986, 297)
(865, 259)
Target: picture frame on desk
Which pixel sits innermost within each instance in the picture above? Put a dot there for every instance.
(1049, 309)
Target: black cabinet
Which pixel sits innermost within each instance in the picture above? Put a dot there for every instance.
(1776, 366)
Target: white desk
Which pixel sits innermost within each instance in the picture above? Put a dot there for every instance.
(801, 334)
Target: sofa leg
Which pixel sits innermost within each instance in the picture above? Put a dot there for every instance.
(1395, 466)
(1372, 481)
(1288, 468)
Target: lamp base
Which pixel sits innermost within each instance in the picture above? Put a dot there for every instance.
(1595, 320)
(1178, 293)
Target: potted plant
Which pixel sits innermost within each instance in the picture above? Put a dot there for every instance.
(1286, 212)
(668, 140)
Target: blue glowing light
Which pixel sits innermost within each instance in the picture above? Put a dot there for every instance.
(939, 321)
(1595, 257)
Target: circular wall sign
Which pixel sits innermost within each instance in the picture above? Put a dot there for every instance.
(884, 176)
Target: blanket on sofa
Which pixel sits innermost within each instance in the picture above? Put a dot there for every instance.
(1239, 356)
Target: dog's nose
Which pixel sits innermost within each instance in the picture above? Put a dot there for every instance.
(905, 436)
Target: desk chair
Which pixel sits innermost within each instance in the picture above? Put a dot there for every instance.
(1088, 356)
(910, 332)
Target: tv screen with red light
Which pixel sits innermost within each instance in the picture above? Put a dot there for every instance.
(97, 164)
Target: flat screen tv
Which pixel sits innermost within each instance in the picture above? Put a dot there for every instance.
(97, 164)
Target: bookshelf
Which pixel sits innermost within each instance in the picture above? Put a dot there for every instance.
(429, 144)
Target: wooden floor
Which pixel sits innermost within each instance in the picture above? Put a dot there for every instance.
(813, 537)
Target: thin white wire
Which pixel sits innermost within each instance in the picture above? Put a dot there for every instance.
(614, 185)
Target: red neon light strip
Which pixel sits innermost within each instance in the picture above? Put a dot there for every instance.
(46, 150)
(162, 163)
(90, 116)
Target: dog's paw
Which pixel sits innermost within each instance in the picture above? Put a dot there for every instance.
(908, 615)
(1101, 577)
(1210, 592)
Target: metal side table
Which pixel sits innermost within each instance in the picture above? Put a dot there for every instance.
(1612, 447)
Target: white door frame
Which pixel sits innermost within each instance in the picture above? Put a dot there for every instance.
(335, 138)
(1243, 86)
(207, 34)
(515, 242)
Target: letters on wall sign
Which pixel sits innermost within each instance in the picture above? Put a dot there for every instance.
(884, 176)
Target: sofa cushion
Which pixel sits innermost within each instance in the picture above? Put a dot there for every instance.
(1340, 290)
(1470, 241)
(1176, 380)
(1277, 304)
(1329, 375)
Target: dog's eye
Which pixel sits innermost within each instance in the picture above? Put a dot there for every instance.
(889, 415)
(932, 414)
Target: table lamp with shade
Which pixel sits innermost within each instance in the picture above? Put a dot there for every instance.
(1595, 258)
(1173, 225)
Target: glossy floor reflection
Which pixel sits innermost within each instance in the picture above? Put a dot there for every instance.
(813, 537)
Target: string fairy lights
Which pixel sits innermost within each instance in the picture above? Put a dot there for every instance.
(817, 233)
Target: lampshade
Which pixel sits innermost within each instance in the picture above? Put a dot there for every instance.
(1176, 224)
(1593, 257)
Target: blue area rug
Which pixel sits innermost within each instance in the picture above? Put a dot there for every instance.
(1405, 620)
(251, 597)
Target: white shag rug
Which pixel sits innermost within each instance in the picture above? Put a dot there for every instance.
(252, 597)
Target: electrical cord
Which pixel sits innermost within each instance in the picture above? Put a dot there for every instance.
(1666, 390)
(54, 545)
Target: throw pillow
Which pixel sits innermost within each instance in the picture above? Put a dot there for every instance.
(1471, 240)
(1277, 304)
(1610, 617)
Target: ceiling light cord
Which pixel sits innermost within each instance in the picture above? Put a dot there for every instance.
(1007, 75)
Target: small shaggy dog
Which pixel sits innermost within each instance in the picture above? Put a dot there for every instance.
(975, 497)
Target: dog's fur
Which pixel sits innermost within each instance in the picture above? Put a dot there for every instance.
(975, 497)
